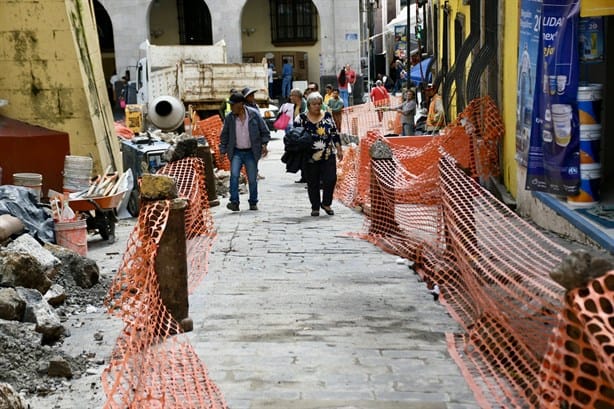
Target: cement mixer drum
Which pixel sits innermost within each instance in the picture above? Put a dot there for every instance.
(166, 113)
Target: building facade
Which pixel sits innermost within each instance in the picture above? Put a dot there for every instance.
(320, 36)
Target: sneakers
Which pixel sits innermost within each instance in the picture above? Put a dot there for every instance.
(235, 206)
(328, 210)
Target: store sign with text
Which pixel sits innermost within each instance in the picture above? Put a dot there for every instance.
(553, 159)
(528, 51)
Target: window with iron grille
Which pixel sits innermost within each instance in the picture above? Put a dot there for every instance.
(293, 22)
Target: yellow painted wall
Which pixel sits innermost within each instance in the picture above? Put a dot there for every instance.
(509, 93)
(509, 66)
(456, 6)
(51, 73)
(589, 8)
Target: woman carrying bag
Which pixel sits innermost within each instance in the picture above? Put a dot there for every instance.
(321, 166)
(284, 119)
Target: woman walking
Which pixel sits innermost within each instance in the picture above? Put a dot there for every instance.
(321, 167)
(342, 80)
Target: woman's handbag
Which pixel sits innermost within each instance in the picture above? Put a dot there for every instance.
(281, 123)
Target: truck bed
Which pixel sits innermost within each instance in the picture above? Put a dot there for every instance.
(208, 85)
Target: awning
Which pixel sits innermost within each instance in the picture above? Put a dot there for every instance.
(401, 19)
(422, 72)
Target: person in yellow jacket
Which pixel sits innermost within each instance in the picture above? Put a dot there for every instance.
(226, 106)
(436, 117)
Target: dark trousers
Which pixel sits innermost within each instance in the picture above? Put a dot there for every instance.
(322, 172)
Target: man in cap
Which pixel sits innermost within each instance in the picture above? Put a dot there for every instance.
(225, 108)
(250, 98)
(244, 139)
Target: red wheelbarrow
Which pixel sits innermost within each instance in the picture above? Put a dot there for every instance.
(104, 215)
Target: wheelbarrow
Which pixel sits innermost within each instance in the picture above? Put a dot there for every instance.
(104, 215)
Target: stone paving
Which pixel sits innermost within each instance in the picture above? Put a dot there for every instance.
(297, 313)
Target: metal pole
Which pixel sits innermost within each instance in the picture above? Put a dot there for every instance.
(408, 42)
(371, 24)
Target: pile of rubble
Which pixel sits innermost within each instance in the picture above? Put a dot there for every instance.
(41, 287)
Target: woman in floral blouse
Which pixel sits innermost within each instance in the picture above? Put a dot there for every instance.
(321, 166)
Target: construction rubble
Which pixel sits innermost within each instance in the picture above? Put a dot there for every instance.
(41, 286)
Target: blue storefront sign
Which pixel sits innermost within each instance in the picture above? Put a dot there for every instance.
(553, 162)
(528, 50)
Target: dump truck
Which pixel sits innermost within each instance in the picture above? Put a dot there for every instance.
(199, 76)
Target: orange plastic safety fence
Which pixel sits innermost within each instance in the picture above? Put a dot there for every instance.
(211, 128)
(422, 202)
(578, 370)
(359, 119)
(153, 364)
(189, 175)
(472, 140)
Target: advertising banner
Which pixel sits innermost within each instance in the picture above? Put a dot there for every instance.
(553, 163)
(400, 41)
(528, 50)
(591, 39)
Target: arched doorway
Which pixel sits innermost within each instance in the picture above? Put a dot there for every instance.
(180, 22)
(106, 44)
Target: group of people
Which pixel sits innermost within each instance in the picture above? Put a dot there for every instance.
(435, 120)
(245, 136)
(346, 80)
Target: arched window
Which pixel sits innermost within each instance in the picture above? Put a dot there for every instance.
(194, 22)
(293, 22)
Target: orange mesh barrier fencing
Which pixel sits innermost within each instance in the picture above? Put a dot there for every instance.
(211, 128)
(578, 370)
(189, 175)
(472, 140)
(359, 119)
(153, 364)
(422, 202)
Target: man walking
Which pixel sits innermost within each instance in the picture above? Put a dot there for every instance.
(244, 139)
(287, 72)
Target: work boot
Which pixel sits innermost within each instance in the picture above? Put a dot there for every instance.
(253, 206)
(233, 206)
